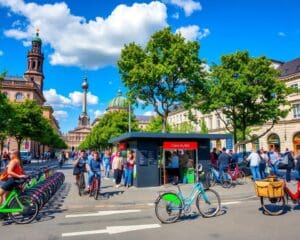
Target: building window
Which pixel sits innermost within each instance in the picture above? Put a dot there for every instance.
(210, 122)
(296, 110)
(19, 96)
(218, 123)
(295, 86)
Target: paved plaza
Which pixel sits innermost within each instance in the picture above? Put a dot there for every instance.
(129, 214)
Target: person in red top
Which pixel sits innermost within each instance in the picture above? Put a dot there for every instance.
(14, 171)
(214, 157)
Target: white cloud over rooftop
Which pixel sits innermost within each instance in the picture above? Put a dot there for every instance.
(87, 44)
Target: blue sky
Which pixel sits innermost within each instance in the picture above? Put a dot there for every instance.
(87, 36)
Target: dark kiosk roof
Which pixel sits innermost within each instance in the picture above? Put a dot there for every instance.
(290, 67)
(174, 136)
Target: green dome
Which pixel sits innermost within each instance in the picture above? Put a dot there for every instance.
(37, 38)
(118, 102)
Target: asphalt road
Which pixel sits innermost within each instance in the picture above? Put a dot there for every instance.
(237, 220)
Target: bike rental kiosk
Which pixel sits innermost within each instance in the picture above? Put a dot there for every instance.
(163, 158)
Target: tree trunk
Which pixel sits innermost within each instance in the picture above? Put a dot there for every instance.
(164, 124)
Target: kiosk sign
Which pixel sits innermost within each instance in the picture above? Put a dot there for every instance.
(180, 145)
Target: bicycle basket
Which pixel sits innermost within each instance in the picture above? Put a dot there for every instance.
(269, 189)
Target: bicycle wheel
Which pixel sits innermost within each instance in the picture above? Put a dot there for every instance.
(208, 203)
(241, 178)
(30, 209)
(273, 206)
(168, 207)
(210, 179)
(81, 185)
(96, 189)
(226, 180)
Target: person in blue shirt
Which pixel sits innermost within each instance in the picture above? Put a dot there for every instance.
(94, 167)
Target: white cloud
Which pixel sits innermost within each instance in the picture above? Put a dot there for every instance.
(1, 53)
(149, 113)
(76, 98)
(87, 44)
(189, 6)
(281, 34)
(56, 100)
(60, 114)
(175, 15)
(98, 113)
(193, 32)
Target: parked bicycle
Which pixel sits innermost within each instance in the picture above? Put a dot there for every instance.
(21, 209)
(237, 175)
(212, 178)
(274, 194)
(170, 205)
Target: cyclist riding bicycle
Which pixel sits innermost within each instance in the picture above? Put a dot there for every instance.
(94, 167)
(15, 172)
(79, 166)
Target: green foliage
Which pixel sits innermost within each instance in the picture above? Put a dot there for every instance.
(155, 125)
(185, 127)
(112, 124)
(203, 127)
(244, 92)
(161, 73)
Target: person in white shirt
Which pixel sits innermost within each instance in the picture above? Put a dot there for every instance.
(254, 159)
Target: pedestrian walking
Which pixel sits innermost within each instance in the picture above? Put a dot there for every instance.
(129, 169)
(274, 160)
(263, 163)
(107, 163)
(117, 166)
(254, 159)
(289, 159)
(223, 162)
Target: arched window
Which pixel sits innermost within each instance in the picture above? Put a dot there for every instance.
(274, 141)
(33, 64)
(19, 96)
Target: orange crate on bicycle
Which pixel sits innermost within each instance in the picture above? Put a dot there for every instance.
(269, 188)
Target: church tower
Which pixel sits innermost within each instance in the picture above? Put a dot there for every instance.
(35, 60)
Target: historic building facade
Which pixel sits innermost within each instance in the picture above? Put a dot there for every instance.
(76, 136)
(29, 86)
(284, 134)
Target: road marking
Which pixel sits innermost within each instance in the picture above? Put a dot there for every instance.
(102, 213)
(231, 203)
(113, 230)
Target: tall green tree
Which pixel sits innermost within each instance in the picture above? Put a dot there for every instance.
(244, 92)
(6, 113)
(112, 124)
(27, 122)
(161, 73)
(155, 125)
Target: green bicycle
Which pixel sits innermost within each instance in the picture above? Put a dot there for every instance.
(169, 205)
(21, 209)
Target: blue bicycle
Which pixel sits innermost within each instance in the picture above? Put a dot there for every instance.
(212, 177)
(169, 205)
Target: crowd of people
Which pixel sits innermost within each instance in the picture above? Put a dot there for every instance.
(114, 165)
(262, 163)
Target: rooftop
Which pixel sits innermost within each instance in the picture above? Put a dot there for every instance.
(290, 67)
(175, 136)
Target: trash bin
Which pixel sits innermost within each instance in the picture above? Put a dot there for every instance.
(190, 175)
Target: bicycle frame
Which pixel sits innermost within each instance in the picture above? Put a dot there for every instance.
(188, 201)
(233, 174)
(4, 207)
(293, 195)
